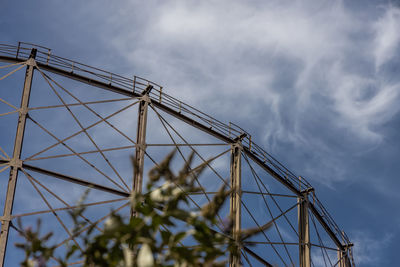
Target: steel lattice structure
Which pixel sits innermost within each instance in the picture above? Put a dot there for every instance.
(76, 127)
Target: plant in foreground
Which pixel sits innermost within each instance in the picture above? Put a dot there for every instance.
(162, 230)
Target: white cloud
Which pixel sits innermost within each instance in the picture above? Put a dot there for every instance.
(363, 102)
(368, 249)
(387, 36)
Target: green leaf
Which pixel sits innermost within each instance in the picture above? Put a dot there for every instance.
(179, 236)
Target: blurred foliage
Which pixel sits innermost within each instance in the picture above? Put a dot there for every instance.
(162, 230)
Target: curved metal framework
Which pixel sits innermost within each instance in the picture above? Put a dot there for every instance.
(265, 190)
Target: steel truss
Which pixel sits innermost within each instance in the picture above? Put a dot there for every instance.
(307, 238)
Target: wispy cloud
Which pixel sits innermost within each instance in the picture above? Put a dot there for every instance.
(387, 37)
(280, 67)
(368, 249)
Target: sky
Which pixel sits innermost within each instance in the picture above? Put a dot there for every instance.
(315, 82)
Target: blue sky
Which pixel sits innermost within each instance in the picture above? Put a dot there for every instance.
(315, 82)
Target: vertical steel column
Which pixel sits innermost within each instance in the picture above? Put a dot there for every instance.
(141, 140)
(235, 200)
(343, 258)
(16, 163)
(304, 231)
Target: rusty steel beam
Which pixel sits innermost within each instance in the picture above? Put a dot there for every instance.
(304, 231)
(140, 148)
(343, 256)
(235, 200)
(15, 162)
(74, 76)
(141, 140)
(76, 180)
(326, 226)
(257, 257)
